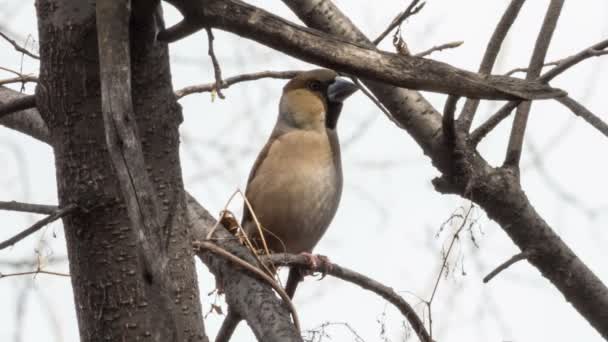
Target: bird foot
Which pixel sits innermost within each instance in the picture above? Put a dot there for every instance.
(317, 263)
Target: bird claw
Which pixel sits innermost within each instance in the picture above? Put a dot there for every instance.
(317, 263)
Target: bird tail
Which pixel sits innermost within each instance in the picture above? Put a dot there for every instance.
(293, 279)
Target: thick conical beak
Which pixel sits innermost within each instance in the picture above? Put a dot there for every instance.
(340, 90)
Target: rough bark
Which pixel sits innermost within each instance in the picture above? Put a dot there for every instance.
(466, 173)
(336, 53)
(107, 278)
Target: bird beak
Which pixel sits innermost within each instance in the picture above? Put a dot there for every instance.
(340, 90)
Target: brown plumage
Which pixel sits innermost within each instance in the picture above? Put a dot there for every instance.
(295, 184)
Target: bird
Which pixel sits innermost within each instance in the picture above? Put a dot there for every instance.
(295, 184)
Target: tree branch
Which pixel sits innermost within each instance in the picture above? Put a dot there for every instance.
(412, 9)
(341, 55)
(517, 257)
(248, 296)
(38, 225)
(562, 65)
(17, 104)
(534, 69)
(28, 122)
(496, 190)
(227, 82)
(489, 58)
(18, 47)
(28, 207)
(450, 45)
(217, 71)
(364, 282)
(580, 110)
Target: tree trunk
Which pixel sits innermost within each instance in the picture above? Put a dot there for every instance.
(107, 276)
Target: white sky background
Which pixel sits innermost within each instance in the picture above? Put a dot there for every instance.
(389, 216)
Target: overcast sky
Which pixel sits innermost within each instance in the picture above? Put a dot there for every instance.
(388, 224)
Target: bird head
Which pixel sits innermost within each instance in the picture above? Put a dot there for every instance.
(312, 100)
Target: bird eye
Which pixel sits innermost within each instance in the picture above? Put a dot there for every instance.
(314, 85)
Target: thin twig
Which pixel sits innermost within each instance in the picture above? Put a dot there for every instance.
(489, 58)
(15, 105)
(517, 257)
(364, 282)
(19, 79)
(38, 271)
(513, 71)
(234, 80)
(38, 225)
(204, 245)
(217, 71)
(580, 110)
(537, 60)
(28, 207)
(412, 9)
(564, 64)
(18, 47)
(450, 45)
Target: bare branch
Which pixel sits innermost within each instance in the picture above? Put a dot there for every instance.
(562, 65)
(584, 113)
(596, 50)
(516, 70)
(204, 245)
(38, 225)
(19, 79)
(485, 128)
(234, 80)
(28, 122)
(448, 118)
(534, 69)
(38, 271)
(272, 324)
(450, 45)
(347, 57)
(506, 264)
(487, 63)
(412, 9)
(18, 47)
(17, 104)
(217, 71)
(28, 207)
(364, 282)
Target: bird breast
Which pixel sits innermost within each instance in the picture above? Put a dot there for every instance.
(296, 190)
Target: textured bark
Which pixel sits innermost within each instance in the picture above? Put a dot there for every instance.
(107, 278)
(344, 56)
(466, 173)
(249, 297)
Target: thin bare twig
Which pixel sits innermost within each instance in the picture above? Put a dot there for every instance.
(412, 9)
(19, 79)
(217, 71)
(38, 271)
(515, 70)
(517, 257)
(364, 282)
(204, 245)
(580, 110)
(28, 207)
(450, 45)
(18, 47)
(17, 104)
(564, 64)
(487, 63)
(208, 87)
(537, 60)
(38, 225)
